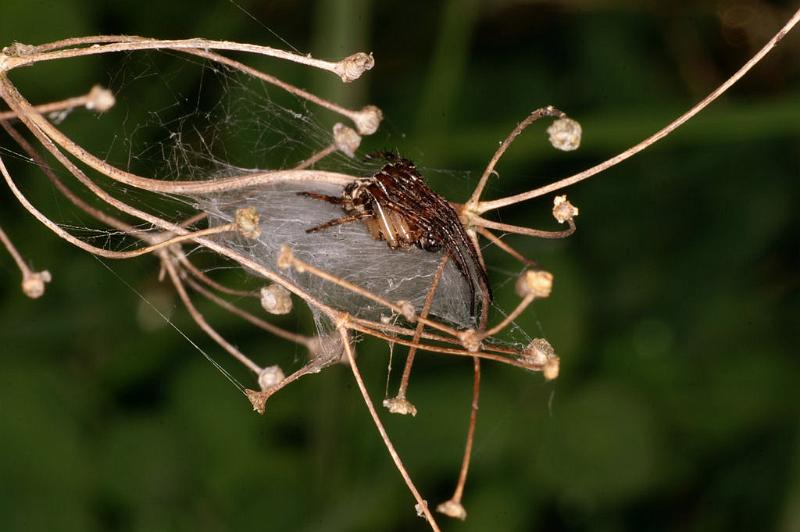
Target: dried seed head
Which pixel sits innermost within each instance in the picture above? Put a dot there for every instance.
(33, 284)
(551, 369)
(537, 353)
(247, 222)
(565, 134)
(350, 68)
(470, 339)
(18, 49)
(537, 283)
(285, 258)
(100, 99)
(407, 310)
(258, 399)
(275, 299)
(368, 119)
(346, 139)
(452, 509)
(563, 210)
(270, 377)
(400, 405)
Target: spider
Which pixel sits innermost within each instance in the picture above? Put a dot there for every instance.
(397, 206)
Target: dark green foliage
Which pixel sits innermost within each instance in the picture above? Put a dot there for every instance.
(674, 311)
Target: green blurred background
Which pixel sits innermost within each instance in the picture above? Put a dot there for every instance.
(675, 308)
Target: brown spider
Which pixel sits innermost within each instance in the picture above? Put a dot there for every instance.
(397, 206)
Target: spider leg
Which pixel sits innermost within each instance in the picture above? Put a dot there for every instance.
(340, 221)
(323, 197)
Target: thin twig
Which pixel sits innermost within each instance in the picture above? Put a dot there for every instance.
(201, 321)
(485, 206)
(15, 254)
(533, 117)
(126, 43)
(426, 307)
(527, 300)
(394, 307)
(477, 221)
(258, 322)
(505, 247)
(453, 506)
(422, 505)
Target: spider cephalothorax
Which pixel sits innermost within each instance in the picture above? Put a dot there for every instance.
(397, 206)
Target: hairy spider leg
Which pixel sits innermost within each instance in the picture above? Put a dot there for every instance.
(340, 221)
(336, 200)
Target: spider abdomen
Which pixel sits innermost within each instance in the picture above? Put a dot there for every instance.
(392, 227)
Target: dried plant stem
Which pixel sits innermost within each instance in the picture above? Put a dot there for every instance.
(45, 108)
(404, 331)
(201, 321)
(100, 251)
(259, 398)
(317, 157)
(485, 206)
(25, 112)
(163, 224)
(484, 355)
(533, 117)
(91, 46)
(505, 247)
(258, 322)
(427, 334)
(426, 307)
(15, 254)
(355, 116)
(527, 300)
(187, 265)
(422, 505)
(191, 220)
(477, 221)
(95, 213)
(453, 506)
(302, 266)
(366, 120)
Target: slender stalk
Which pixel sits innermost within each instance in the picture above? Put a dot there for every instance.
(64, 50)
(533, 117)
(201, 321)
(258, 322)
(505, 247)
(527, 300)
(426, 307)
(485, 206)
(477, 221)
(422, 505)
(15, 254)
